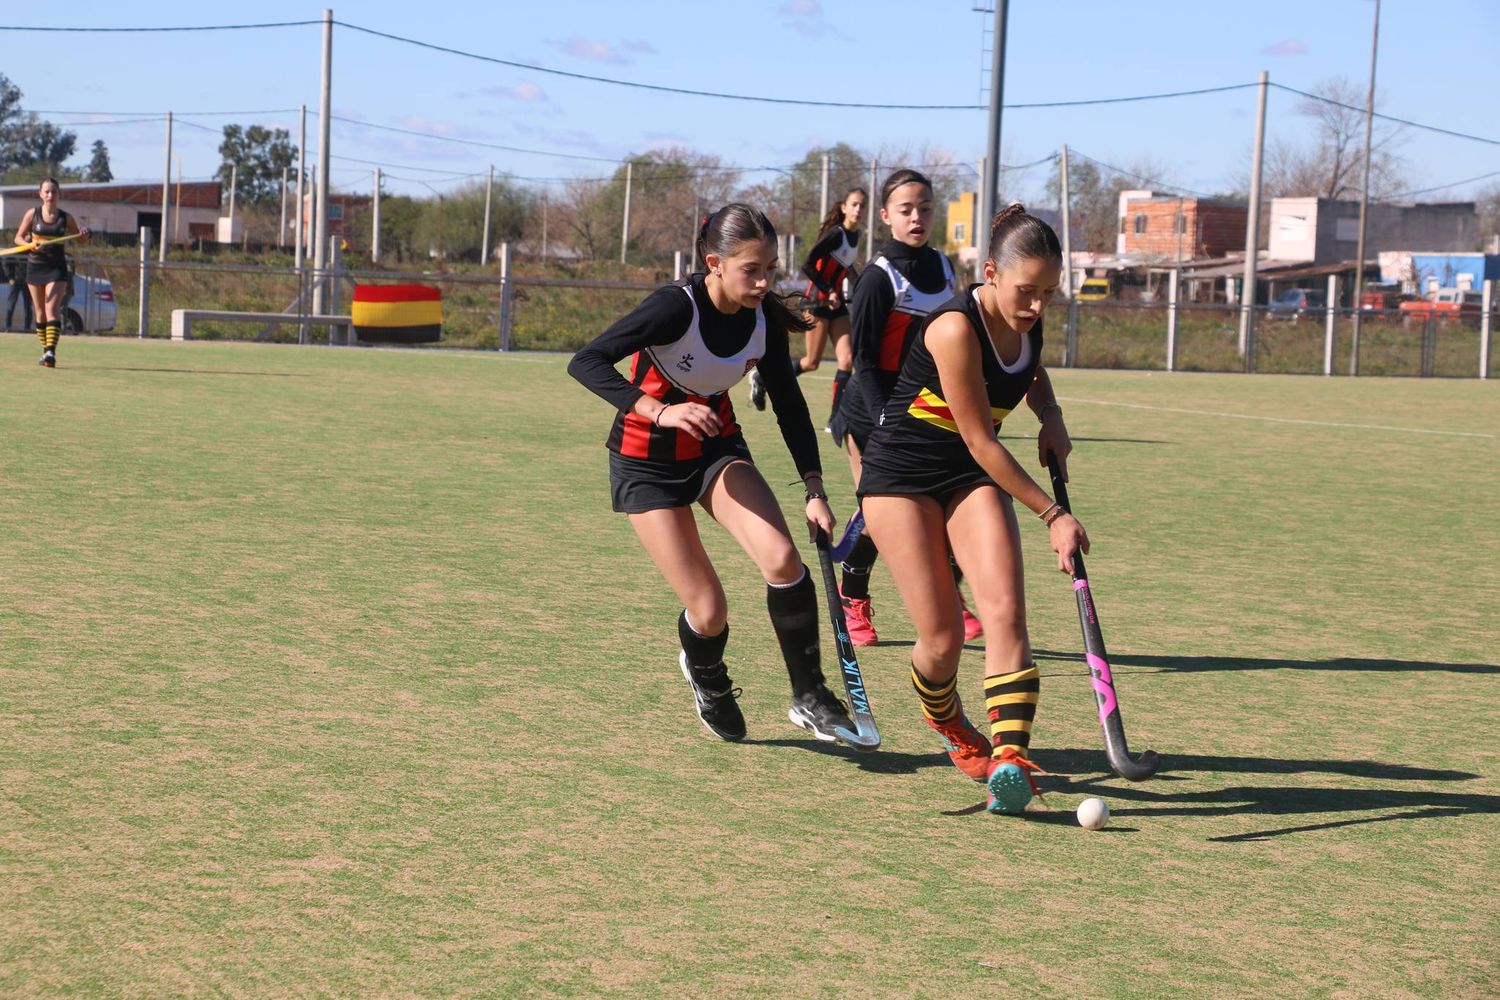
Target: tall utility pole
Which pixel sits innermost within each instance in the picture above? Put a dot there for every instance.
(234, 182)
(301, 189)
(823, 199)
(544, 225)
(1364, 199)
(625, 222)
(325, 120)
(375, 221)
(281, 232)
(989, 185)
(489, 190)
(1067, 225)
(874, 208)
(1252, 229)
(166, 196)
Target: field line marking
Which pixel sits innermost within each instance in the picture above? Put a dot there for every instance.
(1273, 420)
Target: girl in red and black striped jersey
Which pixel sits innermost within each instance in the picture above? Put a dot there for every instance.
(675, 442)
(829, 268)
(937, 479)
(901, 284)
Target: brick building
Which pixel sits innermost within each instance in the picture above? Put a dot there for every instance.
(1173, 228)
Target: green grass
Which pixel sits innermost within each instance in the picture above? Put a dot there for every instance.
(330, 672)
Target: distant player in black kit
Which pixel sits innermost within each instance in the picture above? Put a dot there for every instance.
(937, 479)
(47, 267)
(829, 267)
(903, 282)
(675, 443)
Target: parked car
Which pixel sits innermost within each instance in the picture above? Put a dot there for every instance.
(1094, 290)
(1294, 302)
(91, 307)
(1445, 303)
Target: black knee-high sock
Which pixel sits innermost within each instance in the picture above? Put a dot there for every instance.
(840, 380)
(702, 650)
(856, 582)
(794, 616)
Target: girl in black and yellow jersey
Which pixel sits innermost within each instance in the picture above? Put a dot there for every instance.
(904, 281)
(675, 442)
(47, 267)
(937, 479)
(828, 267)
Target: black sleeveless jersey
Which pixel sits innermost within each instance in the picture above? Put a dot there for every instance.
(916, 420)
(51, 230)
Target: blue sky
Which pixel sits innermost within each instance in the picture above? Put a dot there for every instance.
(1437, 66)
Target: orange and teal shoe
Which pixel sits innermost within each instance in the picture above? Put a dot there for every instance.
(966, 746)
(1010, 783)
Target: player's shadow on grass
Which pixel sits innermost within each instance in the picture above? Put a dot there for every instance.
(876, 761)
(1197, 664)
(1273, 800)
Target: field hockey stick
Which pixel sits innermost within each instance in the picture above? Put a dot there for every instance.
(852, 531)
(37, 244)
(1115, 747)
(865, 735)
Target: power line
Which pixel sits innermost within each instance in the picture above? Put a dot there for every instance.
(1389, 118)
(658, 88)
(168, 28)
(1442, 187)
(1155, 183)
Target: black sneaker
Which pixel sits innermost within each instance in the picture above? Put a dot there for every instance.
(757, 390)
(714, 694)
(49, 360)
(820, 713)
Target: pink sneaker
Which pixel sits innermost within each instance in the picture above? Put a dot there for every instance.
(972, 628)
(857, 612)
(966, 746)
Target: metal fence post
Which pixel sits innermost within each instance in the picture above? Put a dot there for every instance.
(1487, 306)
(505, 340)
(1331, 323)
(1429, 345)
(1172, 304)
(1071, 326)
(676, 265)
(143, 312)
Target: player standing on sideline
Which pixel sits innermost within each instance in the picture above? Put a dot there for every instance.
(829, 268)
(675, 442)
(937, 479)
(47, 267)
(903, 282)
(15, 277)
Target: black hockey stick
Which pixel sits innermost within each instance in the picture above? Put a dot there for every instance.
(852, 531)
(1115, 747)
(865, 735)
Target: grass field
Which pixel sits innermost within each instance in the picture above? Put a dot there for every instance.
(330, 672)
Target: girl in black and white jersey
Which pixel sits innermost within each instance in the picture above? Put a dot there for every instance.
(937, 479)
(829, 267)
(675, 442)
(904, 281)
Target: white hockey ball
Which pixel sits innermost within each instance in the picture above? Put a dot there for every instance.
(1093, 814)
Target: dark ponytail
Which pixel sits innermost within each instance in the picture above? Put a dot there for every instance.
(835, 216)
(724, 232)
(1016, 235)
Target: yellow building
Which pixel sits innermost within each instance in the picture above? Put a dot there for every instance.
(960, 223)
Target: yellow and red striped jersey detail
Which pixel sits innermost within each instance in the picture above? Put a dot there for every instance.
(928, 406)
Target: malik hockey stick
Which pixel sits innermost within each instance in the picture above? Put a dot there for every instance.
(865, 736)
(1115, 747)
(852, 531)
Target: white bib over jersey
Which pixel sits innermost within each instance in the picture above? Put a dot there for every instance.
(689, 365)
(909, 298)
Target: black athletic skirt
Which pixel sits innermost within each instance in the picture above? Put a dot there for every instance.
(637, 485)
(911, 471)
(853, 418)
(45, 272)
(830, 312)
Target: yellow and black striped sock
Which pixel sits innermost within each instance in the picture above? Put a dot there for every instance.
(939, 700)
(1010, 700)
(41, 334)
(52, 331)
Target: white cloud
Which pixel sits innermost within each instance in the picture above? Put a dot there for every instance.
(806, 17)
(1286, 47)
(528, 93)
(598, 51)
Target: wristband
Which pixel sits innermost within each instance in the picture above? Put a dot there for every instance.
(656, 417)
(1054, 405)
(816, 495)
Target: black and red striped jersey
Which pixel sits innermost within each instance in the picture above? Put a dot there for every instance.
(683, 349)
(901, 284)
(829, 262)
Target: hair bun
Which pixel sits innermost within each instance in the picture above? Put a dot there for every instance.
(1013, 209)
